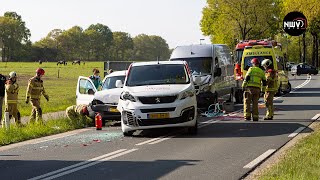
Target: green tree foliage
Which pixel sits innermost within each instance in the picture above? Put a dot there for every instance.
(14, 35)
(226, 20)
(122, 45)
(149, 48)
(100, 39)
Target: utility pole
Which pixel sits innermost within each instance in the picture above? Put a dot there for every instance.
(304, 47)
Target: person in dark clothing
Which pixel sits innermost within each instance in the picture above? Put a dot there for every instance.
(3, 80)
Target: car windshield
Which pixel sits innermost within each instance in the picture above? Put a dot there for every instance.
(110, 82)
(157, 74)
(247, 61)
(199, 65)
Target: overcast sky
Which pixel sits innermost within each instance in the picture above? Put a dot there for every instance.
(177, 21)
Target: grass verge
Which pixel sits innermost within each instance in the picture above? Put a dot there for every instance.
(300, 162)
(35, 130)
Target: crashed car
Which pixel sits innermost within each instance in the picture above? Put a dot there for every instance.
(105, 101)
(158, 95)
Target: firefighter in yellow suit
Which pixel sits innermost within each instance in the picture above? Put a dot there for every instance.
(271, 88)
(79, 114)
(11, 97)
(34, 91)
(252, 88)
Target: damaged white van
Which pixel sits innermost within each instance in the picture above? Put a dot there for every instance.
(156, 95)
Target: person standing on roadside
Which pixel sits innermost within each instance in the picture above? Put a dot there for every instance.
(2, 91)
(96, 78)
(251, 90)
(34, 91)
(271, 88)
(11, 97)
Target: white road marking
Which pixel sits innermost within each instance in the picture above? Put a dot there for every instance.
(315, 117)
(90, 164)
(296, 132)
(259, 159)
(160, 140)
(146, 142)
(207, 123)
(78, 164)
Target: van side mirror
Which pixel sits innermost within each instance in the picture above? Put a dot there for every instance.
(119, 84)
(217, 71)
(196, 79)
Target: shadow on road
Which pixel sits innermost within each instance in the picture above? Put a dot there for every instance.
(231, 129)
(104, 170)
(296, 107)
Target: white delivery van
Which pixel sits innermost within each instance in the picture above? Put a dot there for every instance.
(212, 63)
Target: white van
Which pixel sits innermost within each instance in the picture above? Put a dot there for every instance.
(213, 64)
(105, 101)
(156, 95)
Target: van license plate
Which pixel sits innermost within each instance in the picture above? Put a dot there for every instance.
(158, 116)
(113, 109)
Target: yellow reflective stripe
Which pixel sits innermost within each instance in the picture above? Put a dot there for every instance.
(37, 88)
(11, 101)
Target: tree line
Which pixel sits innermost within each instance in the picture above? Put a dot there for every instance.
(228, 21)
(96, 43)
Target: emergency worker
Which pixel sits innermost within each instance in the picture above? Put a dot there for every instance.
(252, 87)
(96, 78)
(80, 114)
(11, 97)
(34, 91)
(271, 88)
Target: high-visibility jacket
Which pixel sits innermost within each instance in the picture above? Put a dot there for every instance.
(35, 88)
(272, 80)
(11, 94)
(254, 77)
(74, 111)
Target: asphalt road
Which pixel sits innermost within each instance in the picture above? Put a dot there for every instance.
(225, 148)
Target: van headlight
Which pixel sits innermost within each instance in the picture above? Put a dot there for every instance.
(187, 93)
(127, 96)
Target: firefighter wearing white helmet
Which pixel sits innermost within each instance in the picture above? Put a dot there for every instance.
(271, 87)
(11, 97)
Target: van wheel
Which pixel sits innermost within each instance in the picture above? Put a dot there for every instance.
(129, 133)
(289, 88)
(193, 130)
(278, 93)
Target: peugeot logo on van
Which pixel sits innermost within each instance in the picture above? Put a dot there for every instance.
(157, 100)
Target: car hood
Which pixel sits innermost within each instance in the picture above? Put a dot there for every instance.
(157, 90)
(109, 95)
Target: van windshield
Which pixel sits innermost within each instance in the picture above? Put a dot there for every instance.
(157, 74)
(198, 65)
(247, 61)
(110, 82)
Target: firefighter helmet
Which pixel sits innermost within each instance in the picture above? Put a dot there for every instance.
(266, 63)
(12, 74)
(40, 71)
(255, 61)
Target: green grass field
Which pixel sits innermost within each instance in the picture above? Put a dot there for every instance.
(301, 162)
(62, 90)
